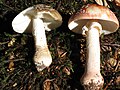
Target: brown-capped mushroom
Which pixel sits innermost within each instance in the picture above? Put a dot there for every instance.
(36, 20)
(92, 20)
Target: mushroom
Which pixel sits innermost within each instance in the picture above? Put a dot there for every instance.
(92, 20)
(36, 20)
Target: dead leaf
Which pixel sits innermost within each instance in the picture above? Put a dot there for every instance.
(66, 70)
(56, 87)
(118, 80)
(11, 43)
(117, 2)
(84, 1)
(46, 84)
(105, 3)
(11, 62)
(102, 2)
(112, 62)
(11, 66)
(99, 2)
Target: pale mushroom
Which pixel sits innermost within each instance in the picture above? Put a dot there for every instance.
(92, 20)
(36, 20)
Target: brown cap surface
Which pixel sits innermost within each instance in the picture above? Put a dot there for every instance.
(23, 21)
(99, 13)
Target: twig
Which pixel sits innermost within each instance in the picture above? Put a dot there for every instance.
(6, 61)
(113, 77)
(117, 66)
(109, 84)
(116, 45)
(7, 6)
(1, 43)
(59, 4)
(63, 54)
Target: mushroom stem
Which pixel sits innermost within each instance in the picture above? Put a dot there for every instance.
(92, 79)
(42, 57)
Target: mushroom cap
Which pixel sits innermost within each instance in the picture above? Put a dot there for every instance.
(23, 21)
(94, 12)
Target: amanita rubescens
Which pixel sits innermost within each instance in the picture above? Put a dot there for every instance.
(36, 20)
(92, 20)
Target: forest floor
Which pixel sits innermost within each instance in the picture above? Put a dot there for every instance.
(68, 50)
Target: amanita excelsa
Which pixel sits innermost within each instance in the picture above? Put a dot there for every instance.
(92, 20)
(36, 20)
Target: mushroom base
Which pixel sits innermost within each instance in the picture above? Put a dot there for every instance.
(92, 82)
(42, 58)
